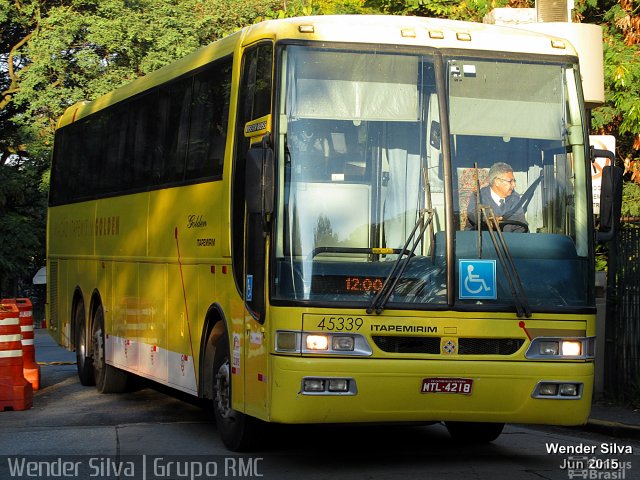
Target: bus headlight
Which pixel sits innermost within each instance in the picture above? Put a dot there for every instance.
(549, 348)
(287, 341)
(571, 348)
(317, 342)
(581, 348)
(291, 341)
(343, 343)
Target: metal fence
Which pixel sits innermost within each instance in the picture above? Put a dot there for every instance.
(622, 367)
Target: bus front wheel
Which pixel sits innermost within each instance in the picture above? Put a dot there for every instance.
(108, 378)
(474, 432)
(236, 429)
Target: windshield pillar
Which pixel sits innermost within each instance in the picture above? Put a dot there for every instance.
(441, 80)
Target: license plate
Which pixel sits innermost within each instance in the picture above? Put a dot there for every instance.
(462, 386)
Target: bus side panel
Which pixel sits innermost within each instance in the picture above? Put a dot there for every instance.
(120, 226)
(71, 234)
(151, 322)
(181, 372)
(121, 341)
(186, 221)
(72, 229)
(184, 230)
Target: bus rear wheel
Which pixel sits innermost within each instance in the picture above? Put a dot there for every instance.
(474, 432)
(84, 362)
(237, 430)
(108, 378)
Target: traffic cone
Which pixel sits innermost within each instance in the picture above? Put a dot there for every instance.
(16, 393)
(31, 369)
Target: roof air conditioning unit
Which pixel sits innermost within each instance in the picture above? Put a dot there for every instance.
(554, 10)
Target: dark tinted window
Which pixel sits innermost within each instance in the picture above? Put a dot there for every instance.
(172, 134)
(254, 102)
(208, 125)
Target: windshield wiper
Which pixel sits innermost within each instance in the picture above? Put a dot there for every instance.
(502, 250)
(506, 260)
(382, 297)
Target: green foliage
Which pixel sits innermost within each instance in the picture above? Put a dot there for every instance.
(86, 48)
(472, 10)
(22, 222)
(299, 8)
(602, 256)
(630, 200)
(56, 53)
(620, 116)
(622, 77)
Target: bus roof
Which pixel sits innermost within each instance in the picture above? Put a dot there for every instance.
(363, 29)
(418, 31)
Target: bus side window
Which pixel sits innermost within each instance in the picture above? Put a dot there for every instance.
(208, 126)
(177, 98)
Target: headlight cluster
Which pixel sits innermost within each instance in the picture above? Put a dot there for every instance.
(582, 348)
(290, 341)
(558, 390)
(328, 386)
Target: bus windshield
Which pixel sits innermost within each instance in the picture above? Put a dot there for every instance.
(364, 194)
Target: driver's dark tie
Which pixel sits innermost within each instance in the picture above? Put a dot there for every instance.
(501, 207)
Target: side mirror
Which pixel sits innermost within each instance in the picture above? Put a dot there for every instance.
(259, 180)
(610, 202)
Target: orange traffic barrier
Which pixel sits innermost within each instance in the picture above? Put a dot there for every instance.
(16, 393)
(31, 369)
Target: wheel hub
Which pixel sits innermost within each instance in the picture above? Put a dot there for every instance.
(223, 391)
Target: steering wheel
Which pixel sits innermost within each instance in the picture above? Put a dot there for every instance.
(517, 223)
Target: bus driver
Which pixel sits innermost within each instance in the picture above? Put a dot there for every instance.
(501, 196)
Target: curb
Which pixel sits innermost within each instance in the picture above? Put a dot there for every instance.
(614, 429)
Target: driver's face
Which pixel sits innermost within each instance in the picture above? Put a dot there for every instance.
(504, 184)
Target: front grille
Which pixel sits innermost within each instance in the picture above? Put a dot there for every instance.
(407, 344)
(489, 346)
(431, 345)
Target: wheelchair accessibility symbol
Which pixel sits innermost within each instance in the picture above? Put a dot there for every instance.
(477, 279)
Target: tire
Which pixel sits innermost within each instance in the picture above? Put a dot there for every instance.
(84, 361)
(474, 432)
(108, 378)
(237, 430)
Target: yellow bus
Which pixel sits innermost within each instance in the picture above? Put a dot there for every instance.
(283, 223)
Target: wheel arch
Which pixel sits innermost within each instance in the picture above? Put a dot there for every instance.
(215, 326)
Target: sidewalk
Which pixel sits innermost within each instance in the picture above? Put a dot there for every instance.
(614, 420)
(606, 418)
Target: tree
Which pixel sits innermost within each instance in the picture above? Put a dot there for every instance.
(620, 116)
(56, 53)
(471, 10)
(17, 22)
(86, 48)
(22, 223)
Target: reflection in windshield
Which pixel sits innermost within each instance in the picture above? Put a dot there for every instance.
(509, 125)
(361, 140)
